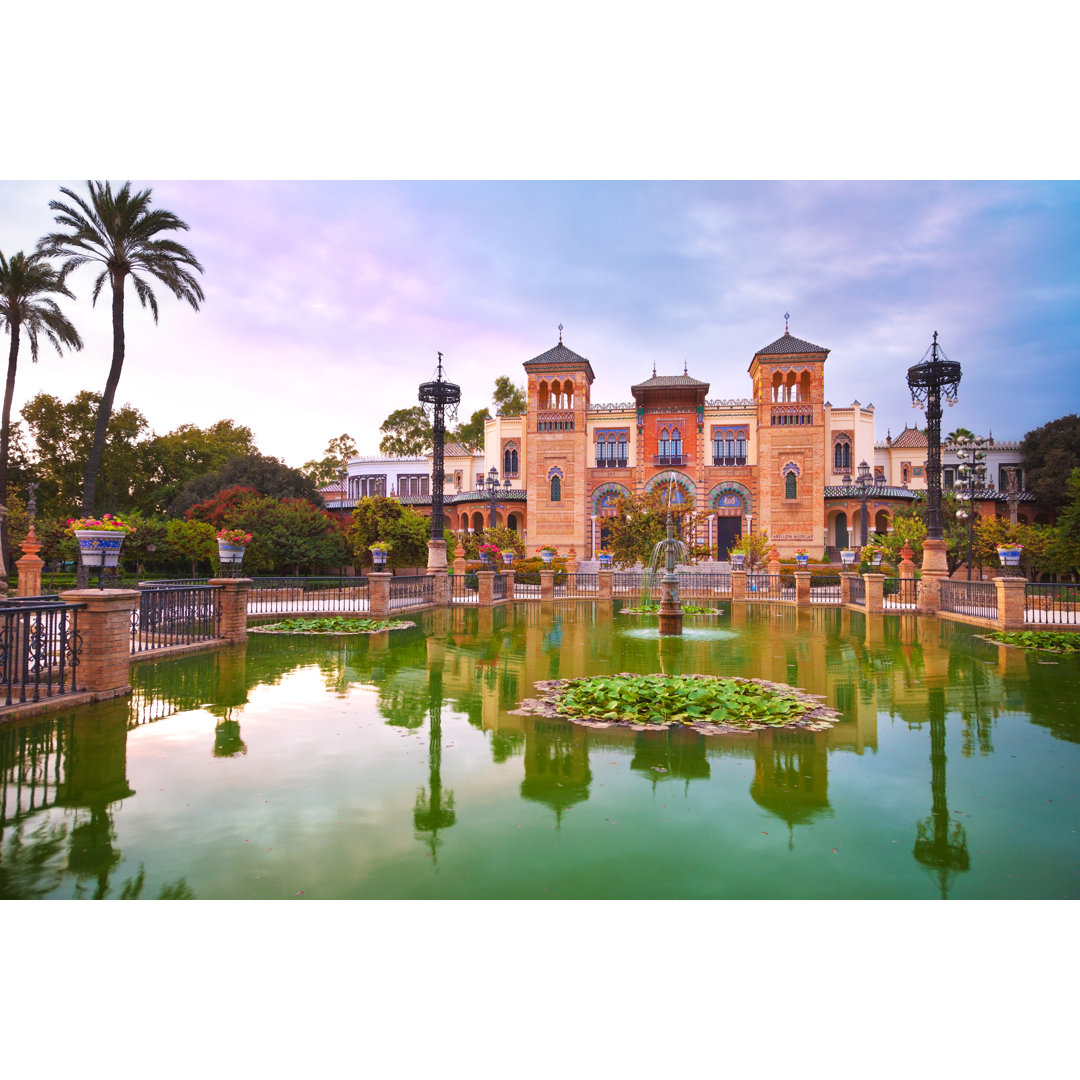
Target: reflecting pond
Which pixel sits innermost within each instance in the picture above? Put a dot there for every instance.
(391, 767)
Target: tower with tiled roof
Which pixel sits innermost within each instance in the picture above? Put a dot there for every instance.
(788, 378)
(555, 463)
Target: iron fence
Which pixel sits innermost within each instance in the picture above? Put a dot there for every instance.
(695, 585)
(857, 591)
(975, 598)
(1052, 603)
(899, 594)
(768, 587)
(39, 648)
(406, 592)
(825, 589)
(273, 594)
(498, 587)
(577, 584)
(626, 582)
(181, 615)
(464, 588)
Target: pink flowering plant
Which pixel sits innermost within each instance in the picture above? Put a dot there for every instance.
(490, 550)
(547, 547)
(802, 551)
(106, 523)
(234, 536)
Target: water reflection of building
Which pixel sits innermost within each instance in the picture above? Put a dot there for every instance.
(557, 771)
(791, 776)
(670, 754)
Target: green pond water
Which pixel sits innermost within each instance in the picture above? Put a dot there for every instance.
(391, 767)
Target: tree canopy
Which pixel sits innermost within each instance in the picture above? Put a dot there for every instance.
(640, 523)
(471, 434)
(509, 400)
(381, 518)
(405, 432)
(266, 475)
(336, 457)
(1050, 453)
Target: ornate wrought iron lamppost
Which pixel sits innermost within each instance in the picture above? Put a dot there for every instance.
(442, 396)
(927, 380)
(864, 483)
(493, 489)
(972, 473)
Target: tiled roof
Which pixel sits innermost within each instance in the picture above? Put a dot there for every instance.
(842, 491)
(659, 381)
(910, 436)
(788, 344)
(456, 449)
(560, 354)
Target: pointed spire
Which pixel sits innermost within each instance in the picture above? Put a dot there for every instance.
(786, 317)
(684, 371)
(560, 333)
(654, 369)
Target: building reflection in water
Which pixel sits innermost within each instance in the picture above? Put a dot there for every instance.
(557, 771)
(791, 777)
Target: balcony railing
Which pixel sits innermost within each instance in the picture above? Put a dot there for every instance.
(671, 459)
(729, 462)
(613, 463)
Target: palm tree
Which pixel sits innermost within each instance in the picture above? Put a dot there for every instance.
(120, 231)
(26, 282)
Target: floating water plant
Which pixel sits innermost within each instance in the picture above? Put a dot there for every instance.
(334, 624)
(703, 702)
(1045, 640)
(687, 609)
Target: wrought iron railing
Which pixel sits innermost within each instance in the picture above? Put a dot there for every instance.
(577, 584)
(39, 648)
(406, 592)
(626, 582)
(527, 585)
(498, 587)
(464, 588)
(273, 594)
(182, 615)
(899, 594)
(857, 591)
(767, 587)
(975, 598)
(1052, 603)
(825, 589)
(695, 585)
(729, 460)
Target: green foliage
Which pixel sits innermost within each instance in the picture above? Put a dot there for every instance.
(336, 457)
(756, 548)
(335, 624)
(1046, 640)
(471, 434)
(264, 474)
(685, 699)
(508, 399)
(193, 540)
(503, 538)
(640, 523)
(405, 432)
(378, 517)
(652, 609)
(1049, 455)
(908, 525)
(1063, 550)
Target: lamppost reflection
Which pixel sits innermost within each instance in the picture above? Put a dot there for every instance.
(434, 808)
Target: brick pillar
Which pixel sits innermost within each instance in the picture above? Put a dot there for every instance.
(738, 584)
(604, 579)
(929, 595)
(379, 595)
(1010, 598)
(440, 587)
(875, 593)
(436, 558)
(802, 587)
(845, 587)
(29, 566)
(233, 599)
(571, 561)
(509, 575)
(547, 584)
(105, 628)
(485, 587)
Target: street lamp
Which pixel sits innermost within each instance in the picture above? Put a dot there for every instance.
(972, 474)
(926, 381)
(442, 396)
(493, 489)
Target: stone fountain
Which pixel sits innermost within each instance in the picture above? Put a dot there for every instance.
(670, 607)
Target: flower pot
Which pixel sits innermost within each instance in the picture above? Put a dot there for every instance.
(875, 559)
(802, 560)
(508, 558)
(738, 562)
(847, 556)
(547, 556)
(379, 557)
(605, 559)
(1009, 558)
(99, 547)
(230, 553)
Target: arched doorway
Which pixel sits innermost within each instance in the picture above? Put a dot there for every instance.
(881, 523)
(512, 523)
(840, 530)
(730, 502)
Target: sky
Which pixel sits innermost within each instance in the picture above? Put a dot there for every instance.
(326, 302)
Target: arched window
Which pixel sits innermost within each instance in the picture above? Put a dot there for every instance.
(842, 456)
(804, 386)
(665, 442)
(622, 448)
(510, 460)
(791, 486)
(556, 489)
(777, 385)
(676, 443)
(542, 395)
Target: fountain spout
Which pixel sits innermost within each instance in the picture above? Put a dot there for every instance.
(670, 607)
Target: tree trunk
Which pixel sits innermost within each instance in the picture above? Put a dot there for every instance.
(5, 439)
(97, 448)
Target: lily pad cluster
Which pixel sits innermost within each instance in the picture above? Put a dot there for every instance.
(687, 609)
(707, 703)
(1044, 640)
(334, 624)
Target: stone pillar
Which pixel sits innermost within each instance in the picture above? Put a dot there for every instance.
(1010, 599)
(436, 556)
(440, 587)
(738, 584)
(459, 559)
(485, 587)
(929, 595)
(845, 587)
(875, 593)
(906, 566)
(934, 563)
(379, 595)
(105, 628)
(604, 582)
(802, 587)
(233, 598)
(29, 567)
(509, 575)
(547, 585)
